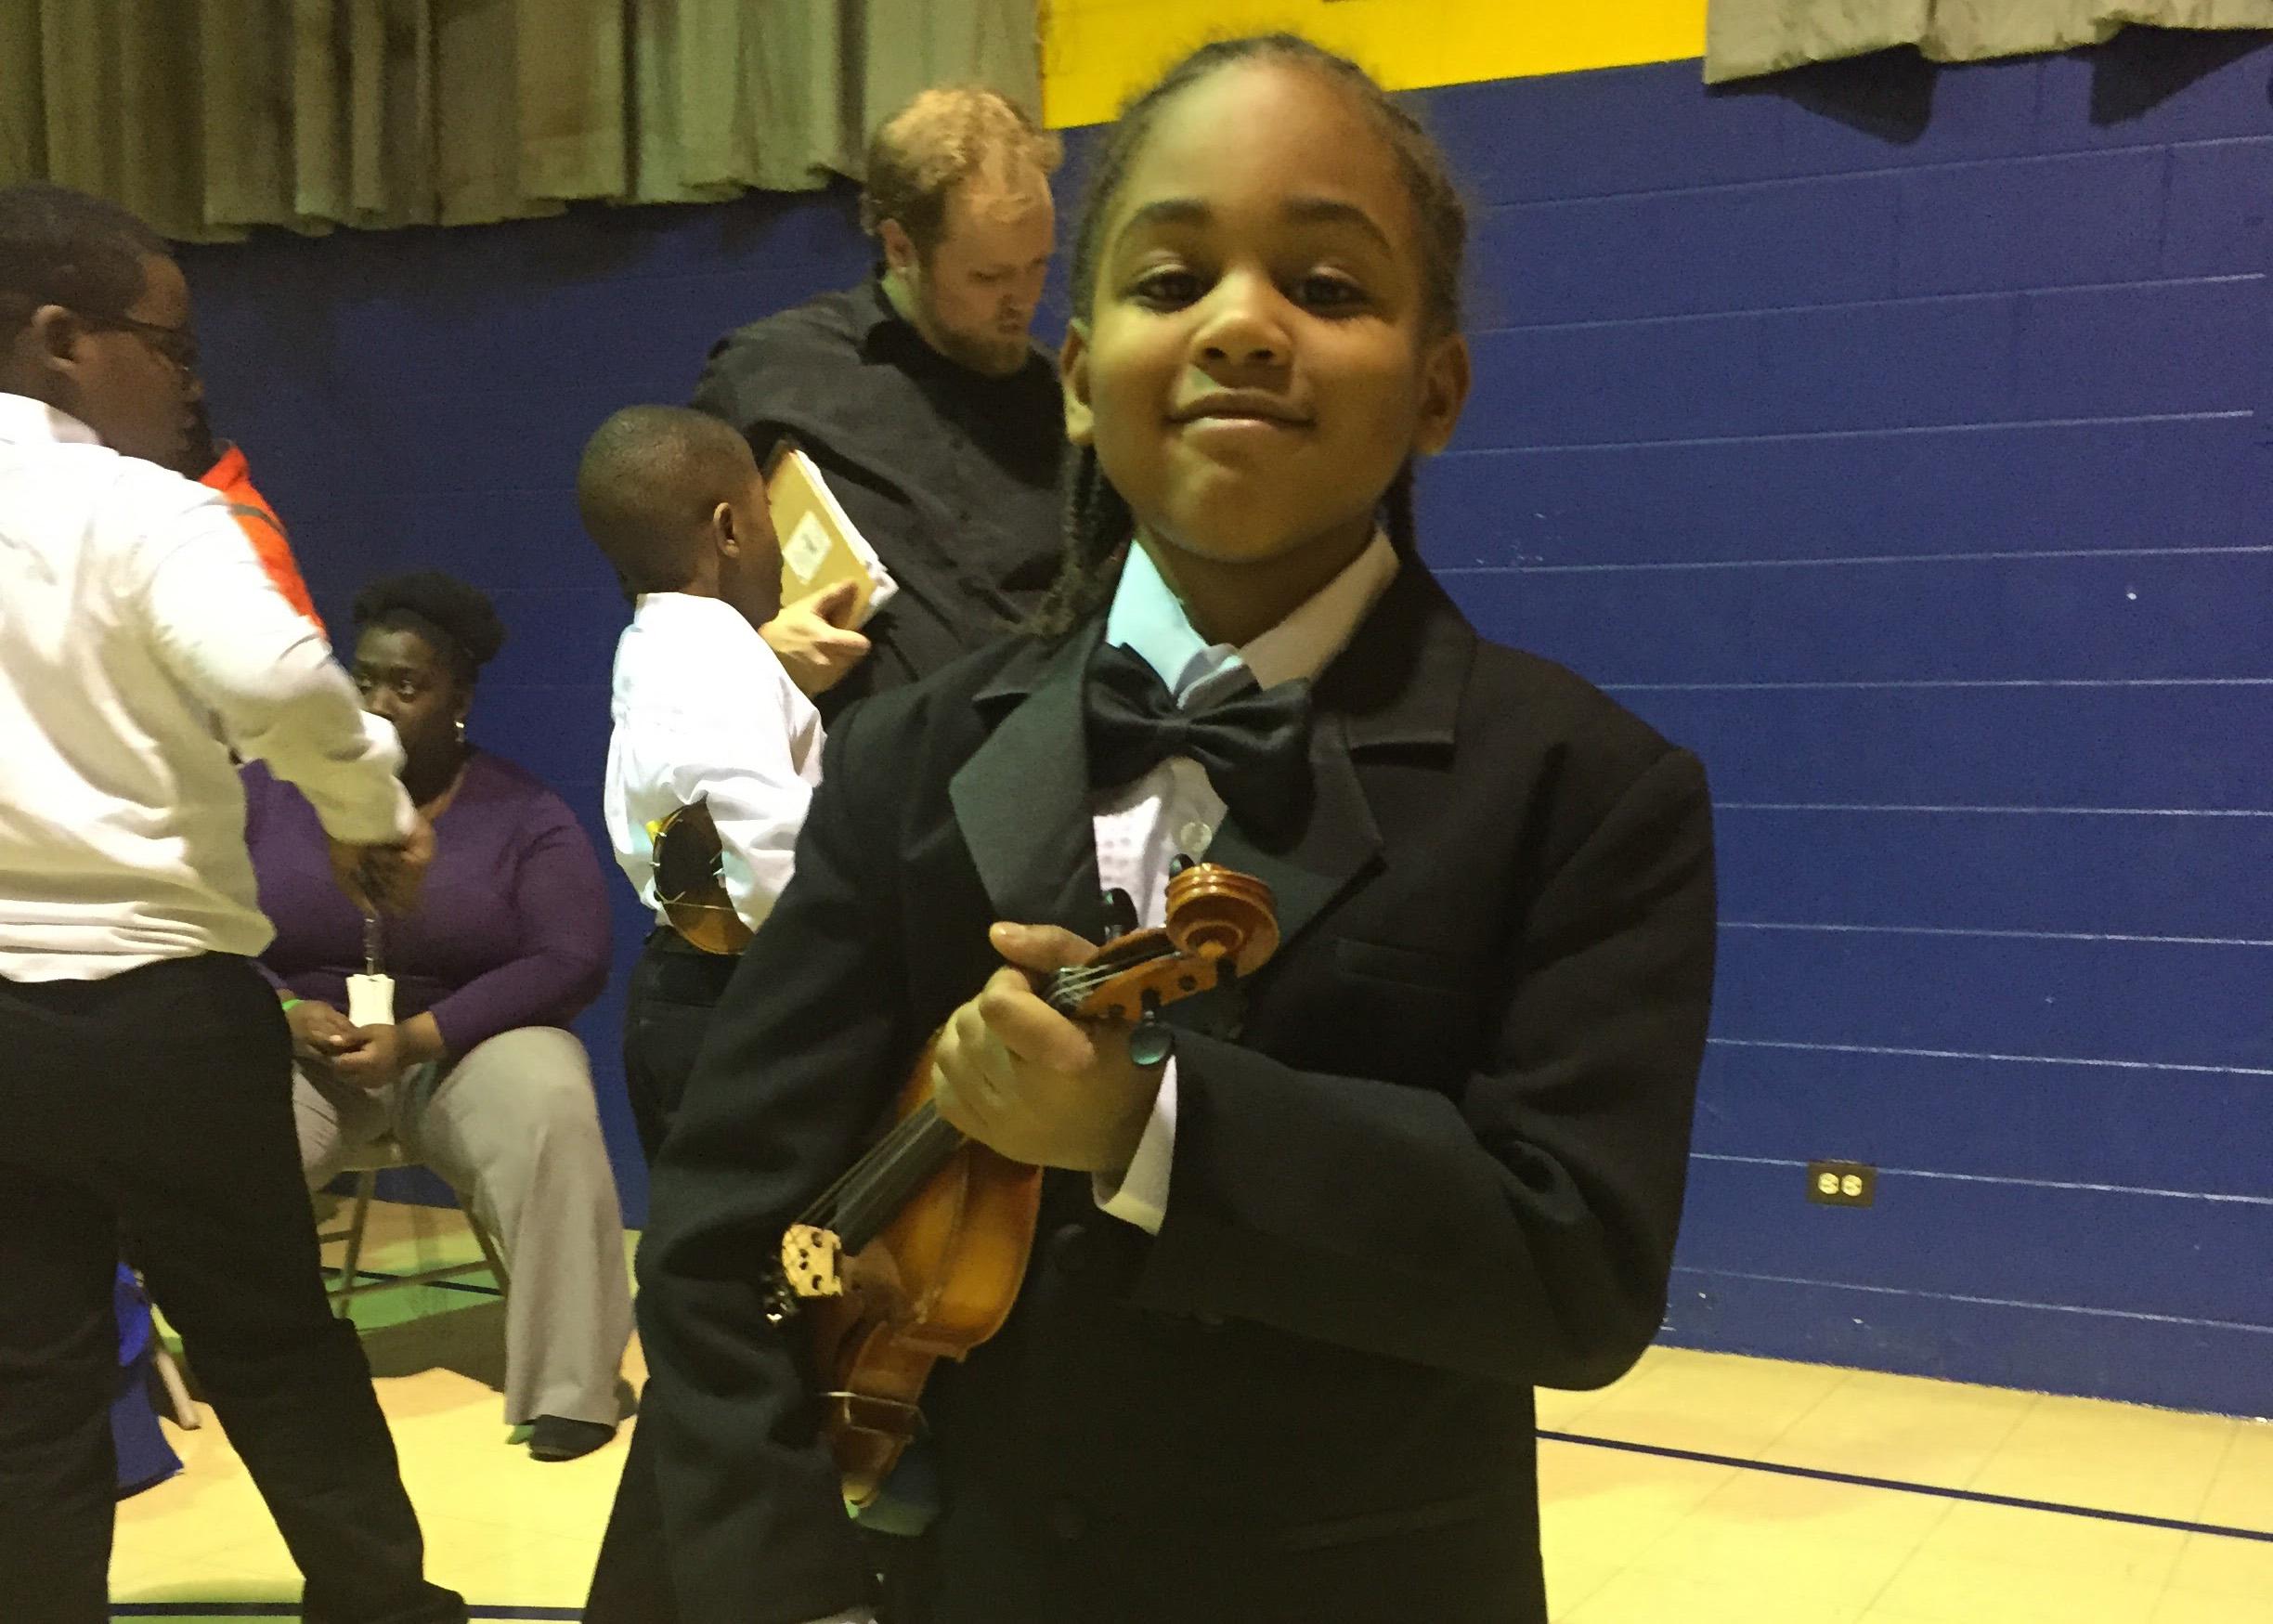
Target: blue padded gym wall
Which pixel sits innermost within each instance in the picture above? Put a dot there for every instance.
(1919, 482)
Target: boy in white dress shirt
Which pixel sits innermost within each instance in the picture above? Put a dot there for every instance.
(705, 708)
(147, 1087)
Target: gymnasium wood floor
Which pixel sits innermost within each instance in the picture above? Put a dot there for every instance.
(1700, 1489)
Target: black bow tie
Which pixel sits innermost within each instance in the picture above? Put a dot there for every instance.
(1253, 742)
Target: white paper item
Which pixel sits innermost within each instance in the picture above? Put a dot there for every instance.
(807, 546)
(370, 1000)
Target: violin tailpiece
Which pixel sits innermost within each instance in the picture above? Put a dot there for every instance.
(813, 1261)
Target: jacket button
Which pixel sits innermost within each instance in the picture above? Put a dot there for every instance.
(1069, 1248)
(1066, 1520)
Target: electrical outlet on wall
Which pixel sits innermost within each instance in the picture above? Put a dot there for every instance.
(1842, 1184)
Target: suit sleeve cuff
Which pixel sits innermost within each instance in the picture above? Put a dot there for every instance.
(1141, 1196)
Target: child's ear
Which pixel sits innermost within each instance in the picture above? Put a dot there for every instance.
(1445, 377)
(722, 531)
(50, 338)
(1073, 377)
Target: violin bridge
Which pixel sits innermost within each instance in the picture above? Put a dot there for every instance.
(813, 1261)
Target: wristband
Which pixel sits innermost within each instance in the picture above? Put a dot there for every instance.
(291, 1004)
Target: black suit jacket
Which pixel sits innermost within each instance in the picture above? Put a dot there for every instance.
(1434, 1158)
(951, 476)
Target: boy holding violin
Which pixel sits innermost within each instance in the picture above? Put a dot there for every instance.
(1295, 1276)
(708, 709)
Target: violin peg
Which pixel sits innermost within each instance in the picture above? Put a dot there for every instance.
(1151, 1040)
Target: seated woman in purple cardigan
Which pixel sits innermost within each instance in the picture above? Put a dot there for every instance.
(480, 1080)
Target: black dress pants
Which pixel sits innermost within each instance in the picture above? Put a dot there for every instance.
(157, 1105)
(666, 1014)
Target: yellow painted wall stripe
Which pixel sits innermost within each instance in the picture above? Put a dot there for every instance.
(1096, 52)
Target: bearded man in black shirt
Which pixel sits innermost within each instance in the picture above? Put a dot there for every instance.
(931, 413)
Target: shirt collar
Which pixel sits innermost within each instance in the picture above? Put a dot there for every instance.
(684, 607)
(22, 418)
(1146, 618)
(229, 469)
(685, 617)
(877, 321)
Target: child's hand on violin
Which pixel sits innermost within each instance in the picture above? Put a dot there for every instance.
(1032, 1083)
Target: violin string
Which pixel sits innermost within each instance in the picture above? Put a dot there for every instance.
(888, 1152)
(899, 1165)
(829, 1203)
(924, 1158)
(882, 1180)
(871, 1205)
(898, 1177)
(1079, 983)
(823, 1210)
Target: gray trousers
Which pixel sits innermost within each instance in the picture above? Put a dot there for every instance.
(513, 1125)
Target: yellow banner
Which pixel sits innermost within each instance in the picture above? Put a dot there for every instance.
(1096, 52)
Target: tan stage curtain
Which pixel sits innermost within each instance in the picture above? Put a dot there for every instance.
(1744, 38)
(209, 116)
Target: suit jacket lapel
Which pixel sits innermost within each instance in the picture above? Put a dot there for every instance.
(1397, 686)
(1022, 799)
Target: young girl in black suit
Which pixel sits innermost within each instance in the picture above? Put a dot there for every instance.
(1273, 1355)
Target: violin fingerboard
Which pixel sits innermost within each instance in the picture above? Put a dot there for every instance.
(813, 1261)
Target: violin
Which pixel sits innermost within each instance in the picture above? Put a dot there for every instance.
(690, 880)
(917, 1253)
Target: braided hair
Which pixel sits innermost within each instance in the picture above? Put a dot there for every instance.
(1098, 523)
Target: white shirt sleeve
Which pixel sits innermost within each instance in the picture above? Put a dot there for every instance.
(706, 712)
(1141, 1197)
(228, 637)
(757, 802)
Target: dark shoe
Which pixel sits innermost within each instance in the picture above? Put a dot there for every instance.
(555, 1438)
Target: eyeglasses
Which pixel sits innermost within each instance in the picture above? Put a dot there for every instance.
(176, 345)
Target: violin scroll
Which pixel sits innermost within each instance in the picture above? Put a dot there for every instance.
(1217, 913)
(1220, 925)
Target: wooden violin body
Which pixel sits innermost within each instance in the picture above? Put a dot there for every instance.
(938, 1281)
(690, 881)
(918, 1253)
